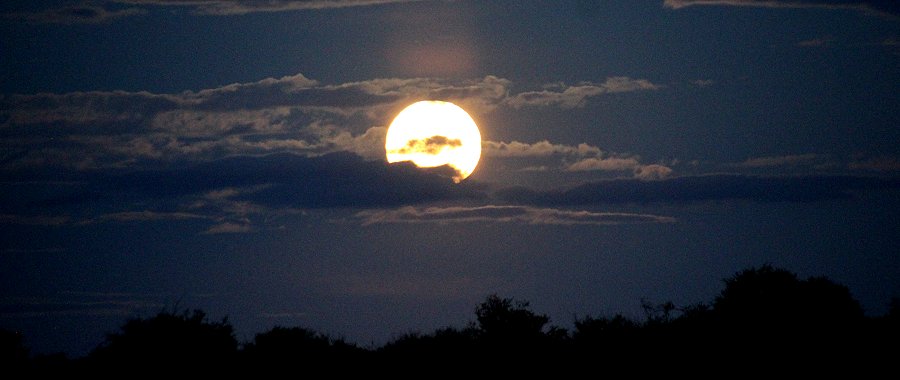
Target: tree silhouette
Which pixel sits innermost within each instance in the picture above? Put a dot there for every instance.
(509, 320)
(763, 318)
(167, 341)
(769, 300)
(13, 353)
(283, 347)
(617, 335)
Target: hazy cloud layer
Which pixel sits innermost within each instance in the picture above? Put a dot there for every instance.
(701, 188)
(884, 7)
(503, 214)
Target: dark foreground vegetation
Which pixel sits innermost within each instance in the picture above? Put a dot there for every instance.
(764, 321)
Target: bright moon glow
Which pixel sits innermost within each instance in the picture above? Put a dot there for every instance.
(433, 133)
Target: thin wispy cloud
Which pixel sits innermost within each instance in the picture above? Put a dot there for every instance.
(102, 11)
(605, 164)
(79, 304)
(229, 228)
(541, 148)
(75, 14)
(239, 7)
(34, 220)
(787, 160)
(698, 189)
(504, 214)
(576, 96)
(884, 8)
(876, 164)
(652, 172)
(146, 215)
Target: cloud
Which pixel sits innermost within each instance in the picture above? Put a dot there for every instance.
(239, 7)
(773, 161)
(75, 14)
(643, 172)
(878, 164)
(228, 228)
(34, 220)
(541, 148)
(431, 145)
(703, 82)
(605, 164)
(589, 158)
(880, 7)
(700, 188)
(79, 303)
(142, 216)
(652, 172)
(504, 214)
(576, 96)
(230, 190)
(288, 114)
(95, 12)
(291, 114)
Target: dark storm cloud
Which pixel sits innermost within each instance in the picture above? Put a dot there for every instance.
(883, 7)
(702, 188)
(269, 182)
(504, 214)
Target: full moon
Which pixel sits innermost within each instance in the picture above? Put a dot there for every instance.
(432, 133)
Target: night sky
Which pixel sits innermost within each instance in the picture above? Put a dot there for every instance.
(229, 156)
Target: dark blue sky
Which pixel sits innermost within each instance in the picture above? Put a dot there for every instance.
(228, 155)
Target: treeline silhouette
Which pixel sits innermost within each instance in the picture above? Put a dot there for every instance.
(765, 319)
